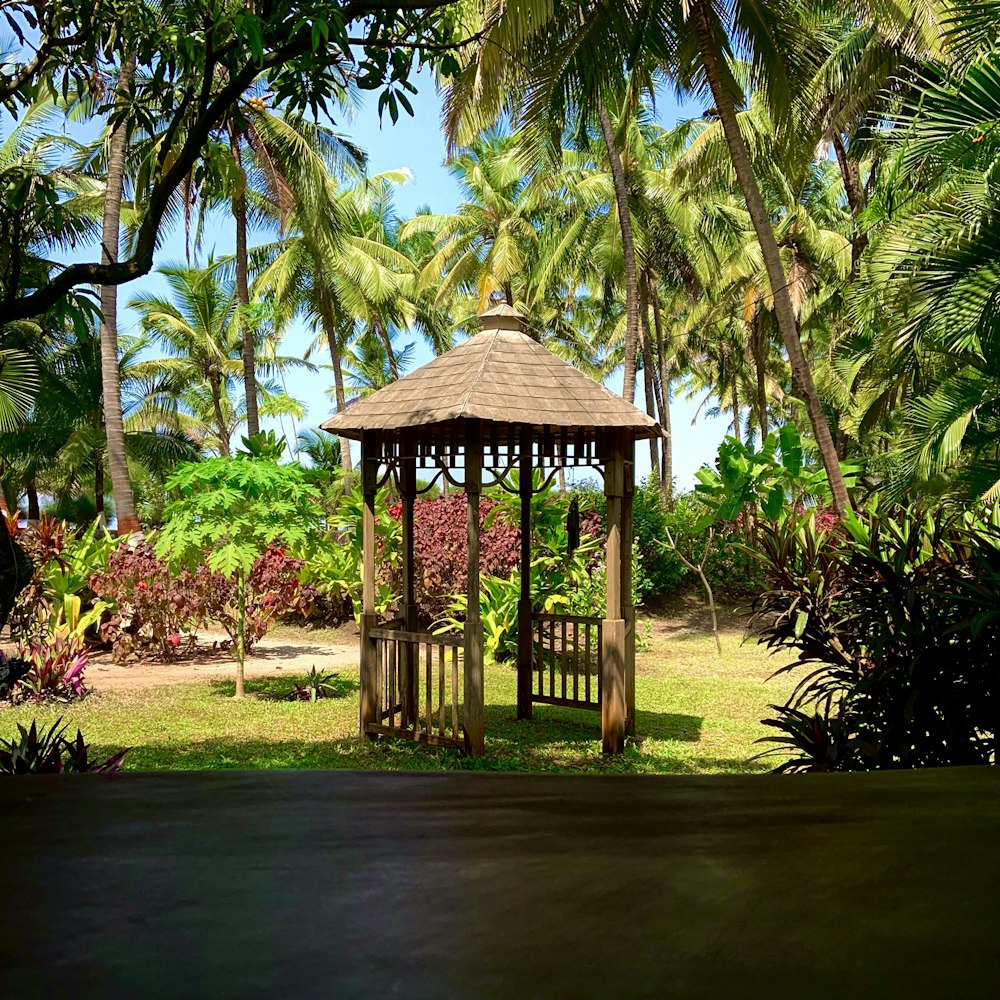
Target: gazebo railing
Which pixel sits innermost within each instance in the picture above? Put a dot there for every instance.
(566, 653)
(419, 686)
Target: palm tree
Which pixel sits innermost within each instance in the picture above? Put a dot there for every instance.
(489, 242)
(929, 293)
(346, 272)
(576, 54)
(200, 330)
(273, 160)
(121, 485)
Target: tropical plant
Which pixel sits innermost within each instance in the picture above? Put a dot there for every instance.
(50, 752)
(56, 666)
(315, 686)
(930, 298)
(895, 613)
(771, 482)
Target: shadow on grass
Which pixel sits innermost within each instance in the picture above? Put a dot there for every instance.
(296, 649)
(554, 740)
(279, 688)
(581, 757)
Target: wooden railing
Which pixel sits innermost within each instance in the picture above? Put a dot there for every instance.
(567, 660)
(419, 685)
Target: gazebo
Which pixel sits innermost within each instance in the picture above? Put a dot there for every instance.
(498, 402)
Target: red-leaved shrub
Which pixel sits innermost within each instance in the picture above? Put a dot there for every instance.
(153, 606)
(440, 544)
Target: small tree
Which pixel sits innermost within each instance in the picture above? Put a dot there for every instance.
(231, 510)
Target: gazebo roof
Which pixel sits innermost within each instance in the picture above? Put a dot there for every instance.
(499, 375)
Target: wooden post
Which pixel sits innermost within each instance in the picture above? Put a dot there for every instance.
(368, 662)
(628, 610)
(613, 626)
(524, 634)
(472, 721)
(408, 491)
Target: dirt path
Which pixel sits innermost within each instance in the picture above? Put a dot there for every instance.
(291, 651)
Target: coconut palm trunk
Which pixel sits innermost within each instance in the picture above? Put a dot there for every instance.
(801, 373)
(854, 189)
(759, 363)
(628, 249)
(114, 428)
(667, 447)
(648, 376)
(336, 361)
(220, 419)
(239, 208)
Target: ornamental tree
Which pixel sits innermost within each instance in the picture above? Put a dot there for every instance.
(228, 512)
(192, 60)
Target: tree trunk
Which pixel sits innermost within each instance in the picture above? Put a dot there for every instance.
(667, 446)
(333, 343)
(99, 485)
(220, 420)
(628, 250)
(854, 190)
(121, 486)
(648, 376)
(383, 335)
(241, 632)
(239, 206)
(31, 494)
(737, 431)
(759, 363)
(785, 314)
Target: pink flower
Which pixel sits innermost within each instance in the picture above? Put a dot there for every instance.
(173, 639)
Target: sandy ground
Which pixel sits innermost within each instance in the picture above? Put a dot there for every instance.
(293, 651)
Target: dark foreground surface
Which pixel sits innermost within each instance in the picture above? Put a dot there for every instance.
(340, 884)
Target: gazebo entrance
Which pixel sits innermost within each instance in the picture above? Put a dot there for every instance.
(497, 403)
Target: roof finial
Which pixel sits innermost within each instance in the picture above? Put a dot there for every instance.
(503, 317)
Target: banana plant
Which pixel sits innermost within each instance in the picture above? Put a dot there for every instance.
(771, 482)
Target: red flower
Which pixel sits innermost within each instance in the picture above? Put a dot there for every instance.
(173, 639)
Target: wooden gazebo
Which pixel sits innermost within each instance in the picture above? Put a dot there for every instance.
(496, 403)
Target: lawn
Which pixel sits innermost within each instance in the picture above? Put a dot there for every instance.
(697, 712)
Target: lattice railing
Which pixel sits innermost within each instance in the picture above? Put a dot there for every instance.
(419, 686)
(567, 660)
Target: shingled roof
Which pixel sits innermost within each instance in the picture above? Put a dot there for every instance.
(499, 375)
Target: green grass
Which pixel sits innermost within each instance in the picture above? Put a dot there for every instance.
(696, 713)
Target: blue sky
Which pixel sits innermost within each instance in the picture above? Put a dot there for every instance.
(417, 144)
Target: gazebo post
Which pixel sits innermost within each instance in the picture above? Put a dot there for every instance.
(472, 718)
(628, 611)
(524, 664)
(613, 626)
(369, 665)
(408, 493)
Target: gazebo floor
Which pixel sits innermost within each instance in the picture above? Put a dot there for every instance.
(458, 885)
